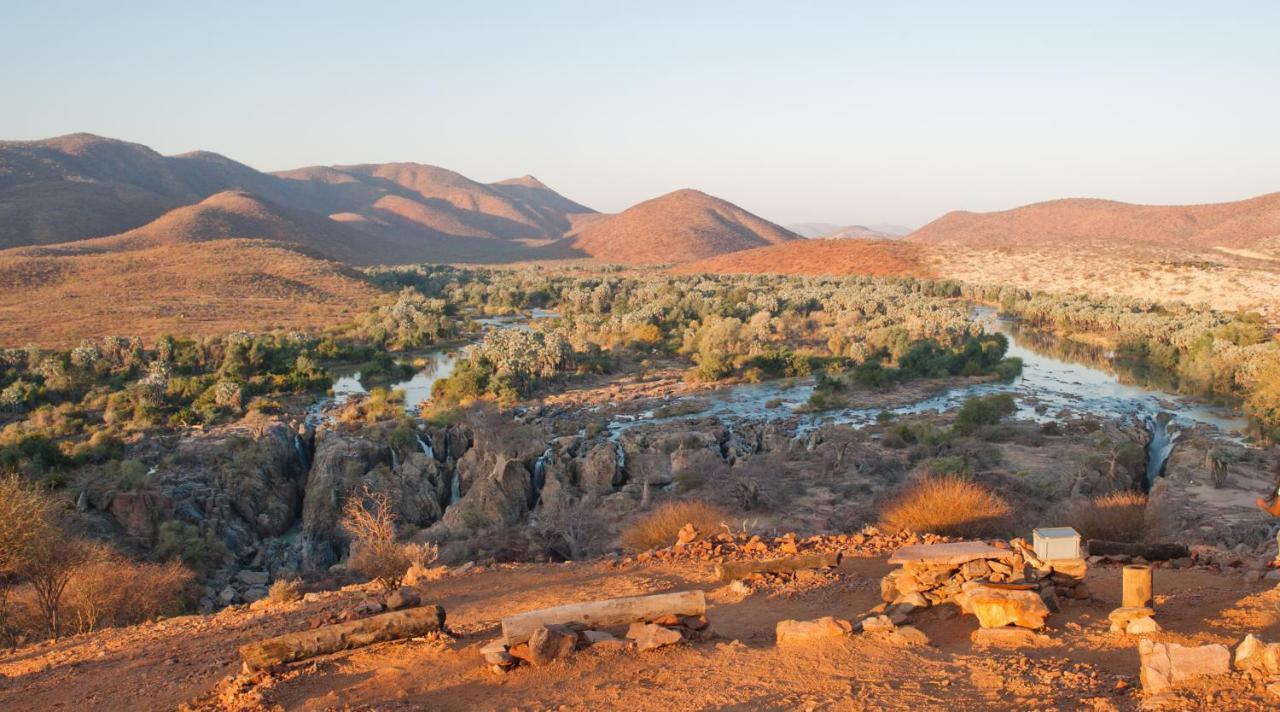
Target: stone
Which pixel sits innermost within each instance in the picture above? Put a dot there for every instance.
(909, 636)
(368, 607)
(1253, 654)
(975, 569)
(253, 578)
(228, 595)
(649, 636)
(1069, 568)
(909, 602)
(1120, 617)
(996, 608)
(953, 553)
(877, 624)
(551, 642)
(596, 636)
(1007, 638)
(255, 593)
(1164, 665)
(1142, 626)
(793, 631)
(686, 535)
(402, 598)
(495, 653)
(693, 622)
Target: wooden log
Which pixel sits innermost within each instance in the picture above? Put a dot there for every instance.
(1136, 586)
(731, 570)
(407, 623)
(611, 612)
(1150, 552)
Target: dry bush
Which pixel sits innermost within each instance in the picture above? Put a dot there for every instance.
(285, 591)
(370, 520)
(947, 505)
(1119, 516)
(111, 590)
(659, 527)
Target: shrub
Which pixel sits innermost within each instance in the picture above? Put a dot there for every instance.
(984, 410)
(370, 520)
(1119, 516)
(947, 505)
(658, 528)
(285, 591)
(111, 590)
(951, 465)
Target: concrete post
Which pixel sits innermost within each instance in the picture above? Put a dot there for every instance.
(1136, 584)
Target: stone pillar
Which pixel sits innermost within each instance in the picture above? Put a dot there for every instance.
(1136, 584)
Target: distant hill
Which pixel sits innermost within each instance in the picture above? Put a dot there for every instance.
(831, 231)
(820, 257)
(677, 227)
(84, 186)
(209, 287)
(1244, 224)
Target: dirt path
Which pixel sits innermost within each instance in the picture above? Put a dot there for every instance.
(159, 666)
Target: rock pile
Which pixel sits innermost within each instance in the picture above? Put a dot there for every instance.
(1001, 583)
(692, 545)
(1164, 665)
(552, 642)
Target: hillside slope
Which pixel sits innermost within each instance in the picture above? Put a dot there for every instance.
(677, 227)
(820, 257)
(219, 286)
(1244, 224)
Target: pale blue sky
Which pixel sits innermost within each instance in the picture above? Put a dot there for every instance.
(801, 111)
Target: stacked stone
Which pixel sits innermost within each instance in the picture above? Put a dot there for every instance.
(931, 575)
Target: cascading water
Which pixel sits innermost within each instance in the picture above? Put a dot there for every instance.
(1159, 447)
(455, 488)
(620, 455)
(302, 451)
(539, 479)
(395, 459)
(426, 447)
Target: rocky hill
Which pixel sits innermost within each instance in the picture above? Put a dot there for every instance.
(1245, 224)
(677, 227)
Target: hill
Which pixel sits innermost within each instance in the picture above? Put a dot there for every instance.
(60, 297)
(830, 231)
(1244, 224)
(83, 186)
(677, 227)
(820, 257)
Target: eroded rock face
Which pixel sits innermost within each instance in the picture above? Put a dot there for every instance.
(340, 465)
(500, 496)
(598, 471)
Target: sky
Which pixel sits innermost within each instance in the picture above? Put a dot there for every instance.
(840, 112)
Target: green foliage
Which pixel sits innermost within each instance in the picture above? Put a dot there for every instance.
(978, 411)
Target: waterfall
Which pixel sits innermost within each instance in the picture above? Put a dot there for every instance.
(540, 471)
(455, 488)
(1159, 447)
(395, 459)
(620, 455)
(301, 450)
(426, 447)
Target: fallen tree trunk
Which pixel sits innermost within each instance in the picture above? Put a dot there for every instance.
(287, 648)
(610, 612)
(1150, 552)
(730, 570)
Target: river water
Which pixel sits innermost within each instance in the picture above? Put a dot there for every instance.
(1051, 386)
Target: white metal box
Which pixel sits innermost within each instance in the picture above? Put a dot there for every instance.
(1056, 543)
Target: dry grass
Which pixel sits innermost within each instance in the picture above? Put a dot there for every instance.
(1119, 516)
(285, 591)
(947, 505)
(658, 528)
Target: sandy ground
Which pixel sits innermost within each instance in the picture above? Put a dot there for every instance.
(162, 665)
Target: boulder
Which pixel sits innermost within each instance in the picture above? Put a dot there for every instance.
(500, 496)
(1253, 654)
(596, 636)
(252, 578)
(793, 631)
(649, 636)
(548, 643)
(1164, 665)
(876, 624)
(598, 470)
(997, 607)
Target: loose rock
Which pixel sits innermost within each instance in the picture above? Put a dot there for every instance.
(793, 631)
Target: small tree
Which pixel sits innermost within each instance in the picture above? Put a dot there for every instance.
(49, 569)
(26, 516)
(1216, 460)
(370, 520)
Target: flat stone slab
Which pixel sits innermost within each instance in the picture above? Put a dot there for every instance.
(954, 553)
